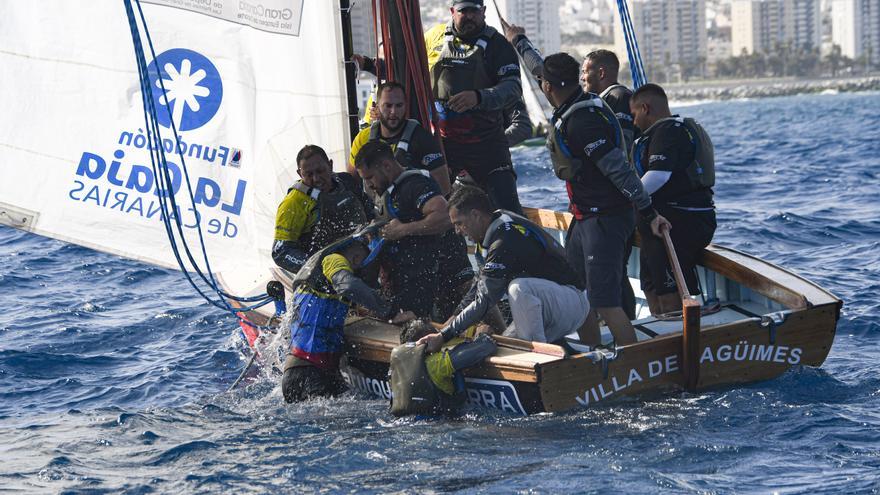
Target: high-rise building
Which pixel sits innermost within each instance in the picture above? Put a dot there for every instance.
(671, 35)
(363, 34)
(760, 25)
(540, 18)
(855, 28)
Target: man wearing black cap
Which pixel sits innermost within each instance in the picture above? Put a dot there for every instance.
(474, 76)
(587, 149)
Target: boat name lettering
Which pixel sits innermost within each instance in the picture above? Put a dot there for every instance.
(372, 386)
(493, 394)
(227, 156)
(606, 389)
(743, 351)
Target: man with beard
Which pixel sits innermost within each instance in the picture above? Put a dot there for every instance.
(414, 147)
(320, 208)
(412, 201)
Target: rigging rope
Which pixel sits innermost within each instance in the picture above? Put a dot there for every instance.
(636, 66)
(165, 189)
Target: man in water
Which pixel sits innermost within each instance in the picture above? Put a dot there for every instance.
(676, 161)
(320, 208)
(412, 201)
(325, 287)
(522, 261)
(586, 147)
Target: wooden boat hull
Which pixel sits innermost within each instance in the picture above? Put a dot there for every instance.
(520, 382)
(789, 322)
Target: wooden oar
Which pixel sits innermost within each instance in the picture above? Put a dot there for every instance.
(529, 346)
(690, 317)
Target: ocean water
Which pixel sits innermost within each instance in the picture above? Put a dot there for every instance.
(113, 374)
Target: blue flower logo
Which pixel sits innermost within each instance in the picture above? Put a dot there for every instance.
(193, 89)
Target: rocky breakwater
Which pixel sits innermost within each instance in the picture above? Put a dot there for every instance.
(760, 88)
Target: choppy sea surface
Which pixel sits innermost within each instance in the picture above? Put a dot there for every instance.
(113, 374)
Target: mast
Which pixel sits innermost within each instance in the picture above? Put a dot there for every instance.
(350, 69)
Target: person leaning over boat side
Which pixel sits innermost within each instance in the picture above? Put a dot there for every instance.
(676, 160)
(599, 75)
(320, 208)
(586, 148)
(412, 201)
(523, 261)
(325, 287)
(414, 147)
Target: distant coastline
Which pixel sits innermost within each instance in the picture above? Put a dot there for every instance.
(761, 88)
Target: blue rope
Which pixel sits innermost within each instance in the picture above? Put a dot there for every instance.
(636, 66)
(164, 183)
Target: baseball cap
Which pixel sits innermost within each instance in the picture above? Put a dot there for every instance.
(464, 4)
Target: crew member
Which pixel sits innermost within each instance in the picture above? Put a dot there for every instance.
(417, 209)
(599, 75)
(586, 147)
(524, 262)
(474, 76)
(413, 145)
(320, 208)
(325, 287)
(676, 160)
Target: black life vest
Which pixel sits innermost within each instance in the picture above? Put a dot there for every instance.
(701, 171)
(565, 164)
(461, 68)
(385, 205)
(401, 149)
(340, 211)
(558, 270)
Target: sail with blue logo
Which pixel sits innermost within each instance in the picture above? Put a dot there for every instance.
(245, 85)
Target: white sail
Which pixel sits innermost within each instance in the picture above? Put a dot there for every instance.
(248, 86)
(537, 113)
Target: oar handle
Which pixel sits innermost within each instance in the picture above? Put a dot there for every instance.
(673, 262)
(690, 318)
